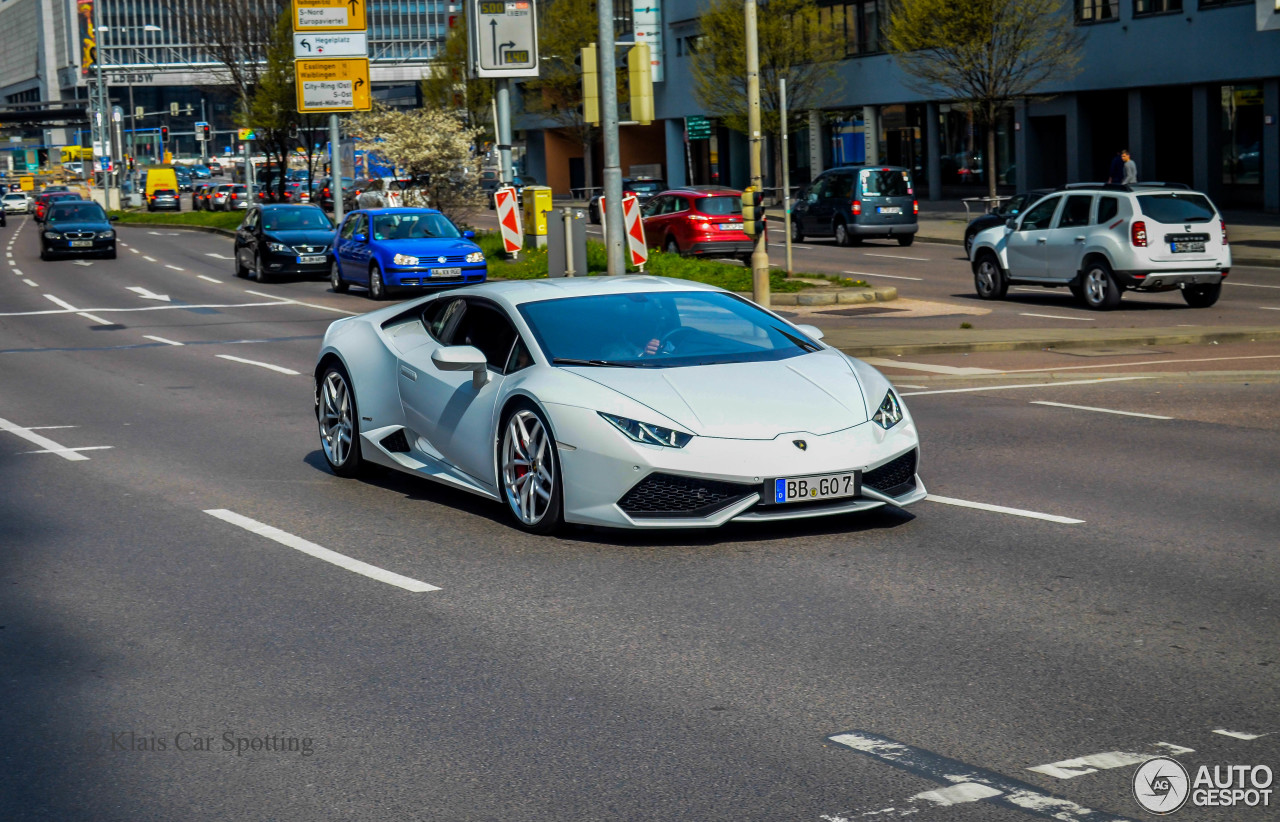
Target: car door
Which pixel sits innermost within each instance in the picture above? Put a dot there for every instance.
(247, 240)
(812, 218)
(355, 248)
(652, 218)
(445, 408)
(1065, 243)
(1026, 249)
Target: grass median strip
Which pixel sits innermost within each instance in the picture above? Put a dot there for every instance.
(228, 220)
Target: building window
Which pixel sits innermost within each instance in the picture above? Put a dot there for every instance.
(1242, 135)
(1097, 11)
(1141, 7)
(858, 22)
(1213, 4)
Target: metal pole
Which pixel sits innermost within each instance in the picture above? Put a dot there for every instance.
(335, 167)
(133, 142)
(786, 169)
(760, 255)
(101, 118)
(504, 129)
(204, 144)
(613, 219)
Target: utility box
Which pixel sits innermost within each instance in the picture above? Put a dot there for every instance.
(566, 242)
(536, 204)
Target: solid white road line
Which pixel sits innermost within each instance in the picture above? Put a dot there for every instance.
(1059, 317)
(1239, 735)
(1081, 765)
(266, 365)
(886, 276)
(71, 450)
(208, 279)
(161, 340)
(904, 385)
(311, 549)
(1000, 509)
(1251, 285)
(899, 257)
(44, 442)
(880, 362)
(1269, 308)
(31, 283)
(308, 305)
(1142, 362)
(1100, 410)
(48, 427)
(59, 302)
(73, 310)
(173, 267)
(1025, 385)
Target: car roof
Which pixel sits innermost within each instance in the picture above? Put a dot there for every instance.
(704, 191)
(287, 206)
(397, 210)
(517, 292)
(862, 166)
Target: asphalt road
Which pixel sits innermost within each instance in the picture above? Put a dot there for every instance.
(1115, 596)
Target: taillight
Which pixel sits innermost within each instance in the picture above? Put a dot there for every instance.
(1138, 233)
(857, 207)
(1223, 223)
(915, 206)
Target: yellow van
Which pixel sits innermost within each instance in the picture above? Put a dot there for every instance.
(159, 177)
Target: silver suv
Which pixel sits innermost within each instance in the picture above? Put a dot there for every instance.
(1101, 240)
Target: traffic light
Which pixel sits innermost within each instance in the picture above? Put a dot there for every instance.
(173, 109)
(752, 212)
(590, 85)
(640, 80)
(164, 135)
(204, 130)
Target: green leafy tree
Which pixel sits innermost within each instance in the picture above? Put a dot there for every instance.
(564, 27)
(794, 43)
(431, 146)
(448, 87)
(984, 53)
(272, 105)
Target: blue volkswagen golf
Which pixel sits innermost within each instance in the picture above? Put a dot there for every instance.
(385, 248)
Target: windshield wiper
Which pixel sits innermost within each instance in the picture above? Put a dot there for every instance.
(799, 342)
(601, 363)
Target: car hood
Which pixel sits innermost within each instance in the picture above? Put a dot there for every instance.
(816, 393)
(307, 236)
(78, 225)
(427, 246)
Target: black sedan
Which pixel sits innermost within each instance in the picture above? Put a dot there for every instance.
(77, 227)
(275, 240)
(1001, 214)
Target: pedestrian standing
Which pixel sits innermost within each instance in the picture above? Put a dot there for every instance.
(1116, 174)
(1130, 168)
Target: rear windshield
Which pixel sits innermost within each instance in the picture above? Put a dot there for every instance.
(719, 205)
(1177, 208)
(647, 186)
(885, 183)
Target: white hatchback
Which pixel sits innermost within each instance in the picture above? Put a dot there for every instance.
(15, 202)
(1102, 240)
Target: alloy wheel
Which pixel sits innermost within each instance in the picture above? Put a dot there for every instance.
(1096, 283)
(528, 467)
(337, 422)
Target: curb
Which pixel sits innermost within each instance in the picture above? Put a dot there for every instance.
(873, 350)
(841, 296)
(207, 229)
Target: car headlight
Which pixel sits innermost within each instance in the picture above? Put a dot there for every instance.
(648, 433)
(106, 235)
(475, 257)
(889, 413)
(404, 259)
(52, 235)
(279, 248)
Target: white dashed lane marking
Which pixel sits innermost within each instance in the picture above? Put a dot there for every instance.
(209, 279)
(1100, 410)
(1059, 317)
(1239, 734)
(47, 445)
(1025, 385)
(266, 365)
(1092, 763)
(32, 284)
(311, 549)
(886, 276)
(174, 267)
(1000, 509)
(881, 362)
(161, 340)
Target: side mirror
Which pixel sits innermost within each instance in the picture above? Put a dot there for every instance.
(1011, 223)
(360, 238)
(112, 218)
(810, 331)
(468, 235)
(463, 358)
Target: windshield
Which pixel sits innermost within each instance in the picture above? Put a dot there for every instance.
(719, 205)
(413, 226)
(660, 330)
(77, 212)
(646, 186)
(295, 219)
(1177, 208)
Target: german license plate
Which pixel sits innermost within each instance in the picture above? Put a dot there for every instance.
(447, 272)
(731, 226)
(82, 243)
(818, 487)
(316, 260)
(1179, 248)
(889, 210)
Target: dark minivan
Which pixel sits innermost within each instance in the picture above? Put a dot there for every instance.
(854, 203)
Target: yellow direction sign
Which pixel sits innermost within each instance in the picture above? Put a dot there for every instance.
(329, 15)
(333, 85)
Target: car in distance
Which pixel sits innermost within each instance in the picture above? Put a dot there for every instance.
(1102, 240)
(229, 197)
(698, 221)
(214, 167)
(201, 194)
(644, 189)
(855, 203)
(17, 202)
(280, 239)
(47, 198)
(77, 227)
(636, 402)
(1000, 215)
(388, 248)
(164, 199)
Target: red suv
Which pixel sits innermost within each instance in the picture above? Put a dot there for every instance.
(698, 221)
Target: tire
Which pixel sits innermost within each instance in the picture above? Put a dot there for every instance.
(1202, 296)
(989, 279)
(257, 273)
(905, 240)
(843, 238)
(1101, 292)
(377, 288)
(797, 233)
(672, 247)
(240, 270)
(110, 255)
(44, 253)
(336, 282)
(1076, 289)
(531, 492)
(339, 422)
